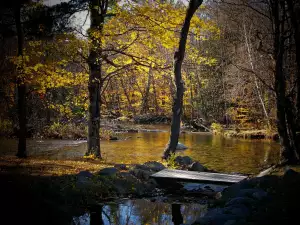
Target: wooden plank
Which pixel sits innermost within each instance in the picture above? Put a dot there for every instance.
(197, 177)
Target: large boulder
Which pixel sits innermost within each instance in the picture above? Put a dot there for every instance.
(185, 160)
(196, 166)
(241, 201)
(121, 166)
(113, 138)
(141, 174)
(84, 179)
(110, 171)
(142, 167)
(221, 216)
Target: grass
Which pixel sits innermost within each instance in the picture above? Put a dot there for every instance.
(44, 167)
(170, 162)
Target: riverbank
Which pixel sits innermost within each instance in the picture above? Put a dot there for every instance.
(61, 189)
(266, 200)
(109, 130)
(43, 191)
(39, 191)
(251, 134)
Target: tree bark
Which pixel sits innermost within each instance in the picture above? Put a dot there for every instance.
(285, 126)
(294, 11)
(145, 104)
(247, 40)
(178, 98)
(95, 62)
(21, 87)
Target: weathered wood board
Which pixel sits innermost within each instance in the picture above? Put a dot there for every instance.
(197, 177)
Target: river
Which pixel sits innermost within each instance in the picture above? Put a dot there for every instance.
(214, 152)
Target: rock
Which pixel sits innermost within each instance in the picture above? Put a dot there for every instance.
(260, 195)
(181, 146)
(178, 160)
(155, 166)
(120, 166)
(113, 138)
(196, 166)
(85, 173)
(132, 131)
(142, 167)
(220, 216)
(240, 201)
(248, 192)
(153, 182)
(240, 211)
(185, 160)
(230, 222)
(128, 176)
(84, 179)
(108, 171)
(141, 174)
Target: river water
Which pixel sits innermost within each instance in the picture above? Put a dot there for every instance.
(215, 152)
(141, 211)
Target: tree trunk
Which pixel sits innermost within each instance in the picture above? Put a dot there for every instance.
(247, 40)
(94, 87)
(127, 95)
(178, 98)
(155, 96)
(21, 87)
(145, 104)
(294, 11)
(284, 124)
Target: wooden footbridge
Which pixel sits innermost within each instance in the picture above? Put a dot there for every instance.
(167, 175)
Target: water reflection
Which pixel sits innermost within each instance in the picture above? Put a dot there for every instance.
(215, 152)
(141, 211)
(177, 218)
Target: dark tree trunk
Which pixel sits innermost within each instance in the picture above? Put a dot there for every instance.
(21, 86)
(294, 11)
(178, 98)
(97, 11)
(284, 111)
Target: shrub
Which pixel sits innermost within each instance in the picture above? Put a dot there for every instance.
(217, 128)
(6, 127)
